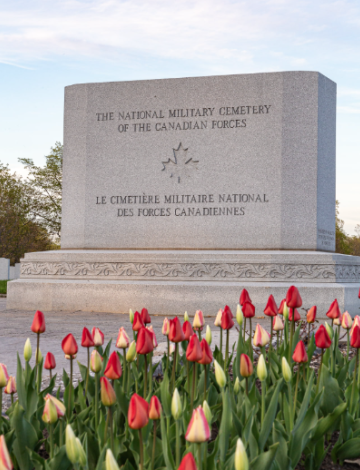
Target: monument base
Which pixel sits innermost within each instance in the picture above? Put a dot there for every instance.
(170, 282)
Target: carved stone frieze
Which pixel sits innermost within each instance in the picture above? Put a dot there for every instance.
(193, 271)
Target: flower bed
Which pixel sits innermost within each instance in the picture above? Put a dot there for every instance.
(259, 405)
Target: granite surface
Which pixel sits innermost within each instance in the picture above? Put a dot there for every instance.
(227, 162)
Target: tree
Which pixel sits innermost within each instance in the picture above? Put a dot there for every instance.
(342, 242)
(43, 188)
(19, 232)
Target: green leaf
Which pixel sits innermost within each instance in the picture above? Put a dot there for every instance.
(324, 424)
(165, 396)
(20, 383)
(60, 461)
(269, 416)
(121, 398)
(225, 426)
(332, 397)
(26, 438)
(349, 450)
(265, 460)
(169, 461)
(305, 403)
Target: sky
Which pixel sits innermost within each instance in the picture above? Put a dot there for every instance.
(46, 45)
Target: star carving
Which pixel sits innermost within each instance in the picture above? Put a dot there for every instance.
(180, 166)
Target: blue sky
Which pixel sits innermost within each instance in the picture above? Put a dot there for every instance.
(46, 45)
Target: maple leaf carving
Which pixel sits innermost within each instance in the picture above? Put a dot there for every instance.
(180, 166)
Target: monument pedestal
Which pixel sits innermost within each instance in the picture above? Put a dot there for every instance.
(170, 282)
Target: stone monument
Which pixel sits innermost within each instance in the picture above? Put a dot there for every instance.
(178, 193)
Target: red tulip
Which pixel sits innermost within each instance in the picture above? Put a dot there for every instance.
(355, 337)
(207, 355)
(300, 353)
(123, 340)
(198, 322)
(297, 315)
(244, 297)
(155, 408)
(50, 362)
(138, 322)
(144, 342)
(246, 366)
(69, 345)
(359, 294)
(113, 368)
(322, 338)
(193, 351)
(311, 315)
(38, 324)
(98, 336)
(248, 310)
(108, 397)
(355, 322)
(176, 334)
(150, 328)
(271, 307)
(145, 316)
(188, 462)
(138, 412)
(334, 311)
(227, 321)
(5, 460)
(293, 299)
(281, 308)
(187, 330)
(86, 339)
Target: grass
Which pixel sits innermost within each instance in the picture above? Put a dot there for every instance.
(3, 287)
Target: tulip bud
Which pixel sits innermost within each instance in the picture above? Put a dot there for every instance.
(4, 376)
(138, 412)
(194, 351)
(176, 407)
(113, 370)
(155, 408)
(176, 334)
(293, 298)
(278, 324)
(241, 459)
(144, 343)
(285, 311)
(86, 339)
(261, 369)
(155, 343)
(11, 386)
(355, 337)
(207, 412)
(187, 330)
(311, 315)
(244, 297)
(50, 362)
(198, 430)
(198, 322)
(188, 462)
(98, 336)
(38, 356)
(27, 350)
(81, 452)
(72, 449)
(322, 338)
(237, 385)
(239, 315)
(355, 322)
(227, 321)
(208, 335)
(110, 462)
(219, 375)
(186, 317)
(329, 330)
(246, 366)
(261, 336)
(108, 397)
(300, 355)
(60, 407)
(69, 345)
(218, 318)
(346, 321)
(248, 310)
(337, 321)
(38, 324)
(131, 316)
(334, 310)
(131, 352)
(145, 316)
(138, 322)
(166, 327)
(286, 371)
(50, 415)
(96, 361)
(271, 308)
(123, 340)
(5, 460)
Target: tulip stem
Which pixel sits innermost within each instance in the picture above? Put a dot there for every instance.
(145, 376)
(199, 466)
(205, 381)
(277, 340)
(348, 344)
(168, 354)
(70, 387)
(263, 391)
(250, 335)
(290, 405)
(88, 372)
(151, 374)
(188, 376)
(244, 329)
(174, 368)
(96, 400)
(136, 382)
(271, 337)
(177, 423)
(141, 450)
(309, 333)
(12, 398)
(193, 385)
(221, 340)
(292, 331)
(38, 362)
(124, 363)
(318, 381)
(51, 441)
(110, 415)
(50, 374)
(354, 382)
(296, 391)
(358, 355)
(227, 348)
(247, 386)
(61, 432)
(154, 447)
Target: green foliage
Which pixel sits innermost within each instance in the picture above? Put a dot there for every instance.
(3, 287)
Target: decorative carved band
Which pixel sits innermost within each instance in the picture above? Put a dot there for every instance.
(193, 271)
